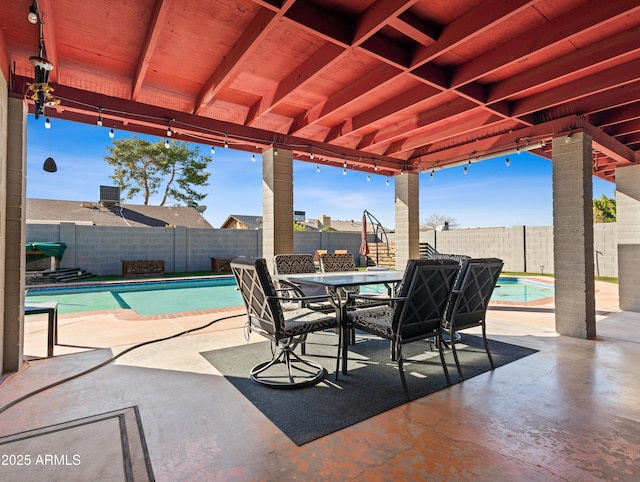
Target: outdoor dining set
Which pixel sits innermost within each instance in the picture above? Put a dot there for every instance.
(431, 300)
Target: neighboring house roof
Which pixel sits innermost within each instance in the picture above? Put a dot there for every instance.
(240, 221)
(48, 211)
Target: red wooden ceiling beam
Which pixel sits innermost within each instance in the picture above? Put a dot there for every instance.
(154, 28)
(586, 17)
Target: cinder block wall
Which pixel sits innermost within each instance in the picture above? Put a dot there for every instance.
(523, 248)
(100, 249)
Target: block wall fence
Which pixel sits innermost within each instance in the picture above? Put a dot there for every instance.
(101, 250)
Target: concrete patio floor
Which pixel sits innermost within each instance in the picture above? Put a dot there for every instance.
(571, 411)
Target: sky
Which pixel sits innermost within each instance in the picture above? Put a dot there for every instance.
(491, 194)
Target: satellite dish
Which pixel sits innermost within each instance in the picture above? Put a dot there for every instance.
(201, 209)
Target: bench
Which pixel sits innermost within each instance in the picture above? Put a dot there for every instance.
(142, 268)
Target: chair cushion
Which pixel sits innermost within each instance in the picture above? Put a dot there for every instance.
(376, 320)
(304, 320)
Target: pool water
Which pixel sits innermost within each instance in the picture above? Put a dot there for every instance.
(151, 298)
(507, 289)
(166, 297)
(520, 290)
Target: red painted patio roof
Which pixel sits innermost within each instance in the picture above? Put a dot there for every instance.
(386, 85)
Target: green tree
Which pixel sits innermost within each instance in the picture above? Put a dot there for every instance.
(142, 167)
(604, 210)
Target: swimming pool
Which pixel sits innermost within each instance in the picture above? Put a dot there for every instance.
(519, 290)
(178, 296)
(145, 298)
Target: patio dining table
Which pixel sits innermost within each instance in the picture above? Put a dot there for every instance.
(345, 279)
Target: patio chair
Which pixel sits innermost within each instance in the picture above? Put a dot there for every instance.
(285, 329)
(338, 262)
(417, 311)
(470, 299)
(299, 264)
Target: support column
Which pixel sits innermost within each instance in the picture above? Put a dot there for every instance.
(277, 203)
(4, 114)
(628, 221)
(14, 212)
(573, 236)
(407, 232)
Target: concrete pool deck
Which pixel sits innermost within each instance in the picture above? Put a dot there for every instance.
(567, 412)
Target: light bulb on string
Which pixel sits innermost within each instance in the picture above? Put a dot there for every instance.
(375, 166)
(47, 123)
(465, 169)
(112, 134)
(166, 143)
(213, 150)
(226, 142)
(310, 153)
(253, 158)
(99, 121)
(368, 177)
(317, 168)
(387, 182)
(507, 162)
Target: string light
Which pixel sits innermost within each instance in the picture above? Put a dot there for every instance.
(465, 169)
(387, 183)
(33, 14)
(209, 132)
(112, 134)
(47, 123)
(166, 143)
(507, 162)
(433, 172)
(213, 150)
(344, 167)
(253, 158)
(368, 177)
(317, 168)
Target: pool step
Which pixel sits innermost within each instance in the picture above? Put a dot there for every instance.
(67, 275)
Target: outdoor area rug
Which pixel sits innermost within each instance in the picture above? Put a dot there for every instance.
(372, 385)
(109, 446)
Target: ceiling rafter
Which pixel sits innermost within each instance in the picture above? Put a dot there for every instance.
(616, 115)
(415, 28)
(377, 16)
(46, 13)
(376, 79)
(232, 62)
(575, 22)
(328, 25)
(469, 25)
(154, 27)
(322, 59)
(425, 135)
(606, 51)
(430, 118)
(372, 20)
(585, 87)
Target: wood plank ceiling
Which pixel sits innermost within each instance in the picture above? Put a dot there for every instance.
(382, 85)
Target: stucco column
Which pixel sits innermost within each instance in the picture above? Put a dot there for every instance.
(407, 232)
(573, 236)
(277, 203)
(12, 230)
(628, 221)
